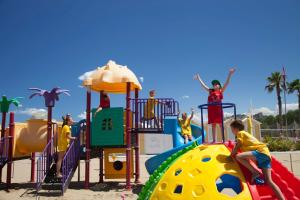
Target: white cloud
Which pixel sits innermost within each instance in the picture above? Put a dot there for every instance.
(228, 114)
(263, 110)
(35, 113)
(268, 111)
(85, 75)
(82, 115)
(185, 97)
(141, 79)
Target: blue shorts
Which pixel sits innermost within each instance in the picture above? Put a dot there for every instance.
(263, 161)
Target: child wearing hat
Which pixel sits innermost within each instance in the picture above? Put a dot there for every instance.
(215, 112)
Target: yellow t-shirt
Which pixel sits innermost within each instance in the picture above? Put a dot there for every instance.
(185, 126)
(149, 108)
(250, 143)
(63, 141)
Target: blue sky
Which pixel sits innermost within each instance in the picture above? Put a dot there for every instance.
(51, 43)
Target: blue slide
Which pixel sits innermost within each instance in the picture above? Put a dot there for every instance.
(171, 127)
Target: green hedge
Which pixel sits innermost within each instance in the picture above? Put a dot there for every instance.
(281, 144)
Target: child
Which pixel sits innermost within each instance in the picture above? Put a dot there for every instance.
(253, 150)
(104, 102)
(215, 112)
(185, 124)
(63, 142)
(149, 108)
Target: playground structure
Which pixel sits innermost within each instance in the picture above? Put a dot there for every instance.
(113, 134)
(201, 171)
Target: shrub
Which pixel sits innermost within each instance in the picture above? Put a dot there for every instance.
(297, 145)
(279, 144)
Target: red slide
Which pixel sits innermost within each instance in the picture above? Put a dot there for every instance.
(286, 181)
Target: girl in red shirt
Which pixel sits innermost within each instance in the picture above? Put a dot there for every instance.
(215, 113)
(104, 102)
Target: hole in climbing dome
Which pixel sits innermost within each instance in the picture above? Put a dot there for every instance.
(178, 171)
(206, 159)
(178, 189)
(229, 185)
(118, 165)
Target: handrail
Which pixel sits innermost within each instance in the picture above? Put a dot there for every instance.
(222, 105)
(149, 114)
(43, 165)
(70, 162)
(45, 158)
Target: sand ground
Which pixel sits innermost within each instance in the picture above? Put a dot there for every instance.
(111, 189)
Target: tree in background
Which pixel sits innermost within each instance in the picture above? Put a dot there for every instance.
(274, 82)
(294, 86)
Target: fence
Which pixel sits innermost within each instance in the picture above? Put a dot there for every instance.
(292, 133)
(149, 114)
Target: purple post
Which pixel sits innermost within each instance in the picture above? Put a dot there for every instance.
(101, 179)
(137, 146)
(128, 137)
(87, 143)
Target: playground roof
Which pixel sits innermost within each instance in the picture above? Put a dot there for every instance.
(111, 78)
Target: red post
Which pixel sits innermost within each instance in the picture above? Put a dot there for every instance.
(137, 143)
(128, 137)
(87, 142)
(10, 148)
(2, 135)
(32, 167)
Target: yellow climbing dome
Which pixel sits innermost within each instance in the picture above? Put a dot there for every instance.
(111, 78)
(202, 173)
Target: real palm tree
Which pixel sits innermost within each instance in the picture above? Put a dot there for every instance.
(294, 86)
(50, 98)
(275, 82)
(4, 107)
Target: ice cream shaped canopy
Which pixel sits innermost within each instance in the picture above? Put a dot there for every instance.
(111, 78)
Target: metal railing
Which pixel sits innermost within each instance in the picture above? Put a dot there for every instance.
(43, 163)
(46, 158)
(4, 146)
(222, 106)
(70, 162)
(149, 114)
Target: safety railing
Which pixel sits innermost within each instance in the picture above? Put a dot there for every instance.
(45, 158)
(148, 114)
(222, 106)
(43, 163)
(70, 162)
(4, 146)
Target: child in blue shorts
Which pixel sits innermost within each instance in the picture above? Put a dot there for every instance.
(252, 149)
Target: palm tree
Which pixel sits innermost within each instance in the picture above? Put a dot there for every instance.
(4, 107)
(274, 82)
(294, 86)
(50, 97)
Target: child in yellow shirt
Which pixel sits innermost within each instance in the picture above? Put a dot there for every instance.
(63, 142)
(252, 149)
(149, 109)
(185, 125)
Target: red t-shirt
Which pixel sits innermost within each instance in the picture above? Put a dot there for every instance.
(105, 102)
(215, 113)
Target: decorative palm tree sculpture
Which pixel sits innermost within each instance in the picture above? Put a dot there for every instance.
(4, 107)
(50, 97)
